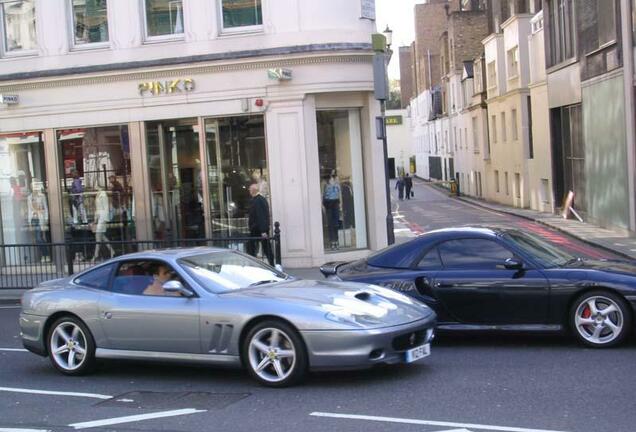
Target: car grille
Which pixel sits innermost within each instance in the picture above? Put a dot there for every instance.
(409, 340)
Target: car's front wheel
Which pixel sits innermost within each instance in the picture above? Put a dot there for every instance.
(274, 354)
(71, 347)
(600, 319)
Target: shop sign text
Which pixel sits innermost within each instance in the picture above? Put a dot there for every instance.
(184, 85)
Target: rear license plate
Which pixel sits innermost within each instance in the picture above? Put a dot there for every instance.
(418, 353)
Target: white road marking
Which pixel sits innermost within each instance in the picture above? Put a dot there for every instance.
(14, 349)
(54, 393)
(9, 307)
(23, 430)
(456, 430)
(134, 418)
(427, 422)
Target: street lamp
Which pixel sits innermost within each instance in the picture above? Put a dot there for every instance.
(382, 46)
(388, 34)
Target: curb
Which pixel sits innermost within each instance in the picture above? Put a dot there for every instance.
(561, 230)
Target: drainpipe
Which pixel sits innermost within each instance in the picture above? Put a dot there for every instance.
(630, 127)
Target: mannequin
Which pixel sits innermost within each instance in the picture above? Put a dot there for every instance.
(102, 211)
(39, 217)
(331, 201)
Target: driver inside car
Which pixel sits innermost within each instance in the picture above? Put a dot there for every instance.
(161, 274)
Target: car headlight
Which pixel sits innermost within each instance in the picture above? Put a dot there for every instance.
(399, 285)
(352, 319)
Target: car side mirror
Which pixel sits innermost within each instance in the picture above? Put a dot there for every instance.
(174, 286)
(513, 264)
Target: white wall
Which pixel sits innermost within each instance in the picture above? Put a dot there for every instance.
(399, 140)
(286, 23)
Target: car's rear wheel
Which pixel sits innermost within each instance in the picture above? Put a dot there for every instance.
(71, 347)
(274, 354)
(600, 319)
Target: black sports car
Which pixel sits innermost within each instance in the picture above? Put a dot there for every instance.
(504, 279)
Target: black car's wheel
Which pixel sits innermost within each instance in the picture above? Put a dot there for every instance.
(600, 319)
(71, 347)
(274, 354)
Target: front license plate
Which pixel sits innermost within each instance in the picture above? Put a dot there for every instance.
(418, 353)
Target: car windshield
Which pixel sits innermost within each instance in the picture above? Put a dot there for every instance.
(546, 254)
(227, 271)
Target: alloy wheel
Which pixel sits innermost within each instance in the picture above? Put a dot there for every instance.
(68, 346)
(599, 320)
(272, 355)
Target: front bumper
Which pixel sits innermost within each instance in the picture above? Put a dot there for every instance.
(31, 332)
(361, 349)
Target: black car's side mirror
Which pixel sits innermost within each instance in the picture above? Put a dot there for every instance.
(513, 264)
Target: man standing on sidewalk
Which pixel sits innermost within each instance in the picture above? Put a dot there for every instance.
(408, 183)
(258, 222)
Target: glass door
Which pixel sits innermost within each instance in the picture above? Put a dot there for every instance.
(236, 157)
(175, 179)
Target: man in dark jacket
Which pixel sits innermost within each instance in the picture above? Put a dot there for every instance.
(408, 183)
(258, 223)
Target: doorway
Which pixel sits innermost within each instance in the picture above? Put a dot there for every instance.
(175, 179)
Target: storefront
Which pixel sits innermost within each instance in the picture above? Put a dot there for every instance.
(169, 153)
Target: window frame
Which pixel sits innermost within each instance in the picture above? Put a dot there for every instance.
(172, 37)
(4, 51)
(223, 31)
(71, 27)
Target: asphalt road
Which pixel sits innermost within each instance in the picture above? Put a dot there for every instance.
(469, 383)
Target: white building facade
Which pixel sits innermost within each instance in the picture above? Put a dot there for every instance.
(174, 107)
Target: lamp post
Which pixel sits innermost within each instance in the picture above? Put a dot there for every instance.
(381, 58)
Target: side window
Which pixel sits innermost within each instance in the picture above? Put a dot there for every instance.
(473, 254)
(430, 261)
(97, 278)
(143, 277)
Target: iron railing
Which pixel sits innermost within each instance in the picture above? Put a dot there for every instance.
(24, 266)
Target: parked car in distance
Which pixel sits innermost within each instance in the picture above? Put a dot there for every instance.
(220, 307)
(500, 279)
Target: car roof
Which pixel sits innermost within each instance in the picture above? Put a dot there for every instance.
(173, 253)
(403, 254)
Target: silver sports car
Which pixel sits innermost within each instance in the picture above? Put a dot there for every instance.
(220, 307)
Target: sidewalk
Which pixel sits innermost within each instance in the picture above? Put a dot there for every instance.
(616, 241)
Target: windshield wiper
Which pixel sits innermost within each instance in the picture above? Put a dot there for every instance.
(263, 282)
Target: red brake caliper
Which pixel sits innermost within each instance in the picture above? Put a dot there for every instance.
(587, 312)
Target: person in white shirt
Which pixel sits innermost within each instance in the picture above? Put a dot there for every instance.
(102, 213)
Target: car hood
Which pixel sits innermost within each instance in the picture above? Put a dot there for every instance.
(367, 305)
(609, 266)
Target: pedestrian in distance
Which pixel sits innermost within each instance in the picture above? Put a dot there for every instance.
(408, 184)
(399, 185)
(258, 222)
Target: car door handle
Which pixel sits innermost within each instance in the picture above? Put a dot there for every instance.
(444, 285)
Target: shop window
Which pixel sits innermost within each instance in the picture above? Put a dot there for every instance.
(97, 194)
(164, 18)
(342, 180)
(24, 205)
(176, 193)
(237, 157)
(18, 26)
(241, 14)
(90, 21)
